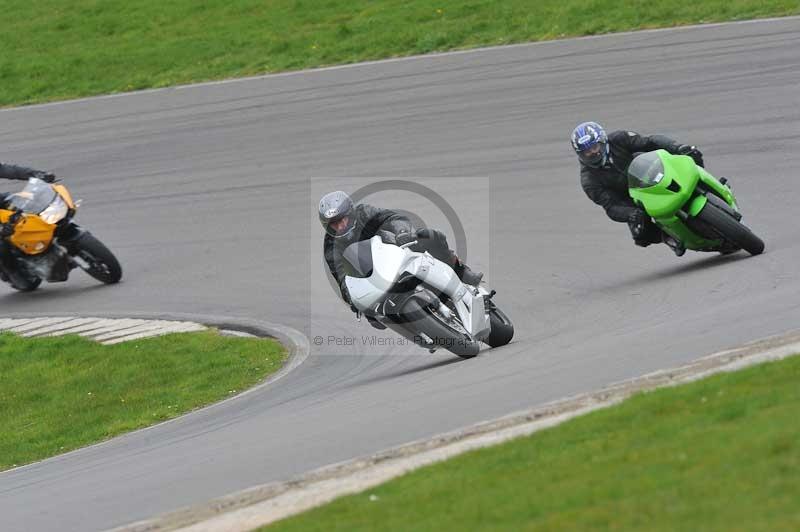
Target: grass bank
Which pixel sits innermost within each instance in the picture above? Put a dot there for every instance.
(58, 49)
(66, 392)
(718, 454)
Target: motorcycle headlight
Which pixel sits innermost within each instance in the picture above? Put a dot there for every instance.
(55, 212)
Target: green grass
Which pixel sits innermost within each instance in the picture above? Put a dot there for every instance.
(719, 454)
(56, 49)
(62, 393)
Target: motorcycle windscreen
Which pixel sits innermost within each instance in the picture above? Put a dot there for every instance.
(34, 198)
(358, 259)
(646, 170)
(385, 262)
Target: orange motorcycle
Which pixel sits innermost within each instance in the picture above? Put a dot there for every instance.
(41, 242)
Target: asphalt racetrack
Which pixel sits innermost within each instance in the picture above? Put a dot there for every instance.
(208, 196)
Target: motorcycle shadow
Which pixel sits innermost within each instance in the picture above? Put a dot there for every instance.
(49, 293)
(679, 270)
(410, 371)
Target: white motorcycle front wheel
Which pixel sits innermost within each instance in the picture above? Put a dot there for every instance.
(502, 329)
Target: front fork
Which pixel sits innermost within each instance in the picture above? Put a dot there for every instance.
(69, 234)
(68, 237)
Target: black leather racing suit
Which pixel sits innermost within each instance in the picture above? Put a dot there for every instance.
(369, 221)
(608, 186)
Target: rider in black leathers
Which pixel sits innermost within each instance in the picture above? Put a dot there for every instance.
(346, 223)
(19, 173)
(604, 161)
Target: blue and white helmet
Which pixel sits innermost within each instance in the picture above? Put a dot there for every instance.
(590, 142)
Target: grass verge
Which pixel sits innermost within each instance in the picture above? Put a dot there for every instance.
(58, 49)
(718, 454)
(66, 392)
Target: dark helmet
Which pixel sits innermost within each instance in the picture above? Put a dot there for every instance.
(590, 142)
(335, 207)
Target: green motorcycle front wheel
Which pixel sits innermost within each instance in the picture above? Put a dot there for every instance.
(730, 229)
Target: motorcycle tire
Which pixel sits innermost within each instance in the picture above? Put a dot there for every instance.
(502, 329)
(18, 281)
(730, 229)
(102, 264)
(24, 284)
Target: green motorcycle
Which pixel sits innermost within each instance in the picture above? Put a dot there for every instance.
(689, 204)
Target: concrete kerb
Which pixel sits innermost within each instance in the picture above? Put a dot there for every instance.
(261, 505)
(289, 337)
(294, 341)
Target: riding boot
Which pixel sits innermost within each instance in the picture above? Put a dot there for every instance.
(466, 274)
(675, 245)
(375, 323)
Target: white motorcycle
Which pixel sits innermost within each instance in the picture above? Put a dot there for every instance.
(422, 299)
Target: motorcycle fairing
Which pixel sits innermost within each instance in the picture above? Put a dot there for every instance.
(389, 262)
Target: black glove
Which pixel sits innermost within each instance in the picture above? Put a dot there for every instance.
(345, 293)
(405, 238)
(425, 233)
(387, 236)
(691, 151)
(346, 296)
(636, 221)
(47, 177)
